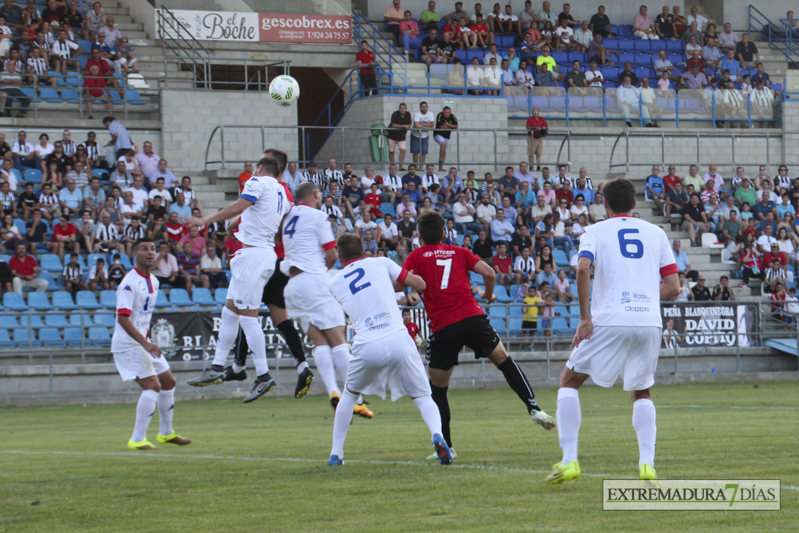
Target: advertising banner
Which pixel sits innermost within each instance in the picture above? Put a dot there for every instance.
(265, 27)
(709, 324)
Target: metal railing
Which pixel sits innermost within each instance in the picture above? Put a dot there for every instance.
(388, 56)
(255, 74)
(778, 38)
(179, 44)
(458, 150)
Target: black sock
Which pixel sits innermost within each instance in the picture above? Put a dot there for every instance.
(289, 332)
(518, 382)
(217, 368)
(242, 348)
(440, 397)
(264, 377)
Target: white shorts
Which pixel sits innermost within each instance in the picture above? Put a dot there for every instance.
(441, 140)
(136, 363)
(250, 269)
(309, 301)
(395, 360)
(630, 351)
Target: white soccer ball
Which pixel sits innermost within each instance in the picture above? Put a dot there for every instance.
(284, 90)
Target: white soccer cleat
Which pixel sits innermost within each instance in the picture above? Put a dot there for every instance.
(544, 420)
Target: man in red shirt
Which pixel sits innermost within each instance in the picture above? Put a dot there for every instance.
(537, 129)
(63, 236)
(775, 253)
(501, 264)
(413, 329)
(456, 319)
(25, 271)
(103, 67)
(244, 176)
(670, 179)
(175, 230)
(565, 193)
(366, 64)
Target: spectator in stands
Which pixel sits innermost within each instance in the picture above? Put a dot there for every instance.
(524, 78)
(96, 88)
(464, 215)
(189, 267)
(643, 27)
(546, 79)
(776, 277)
(161, 172)
(197, 241)
(713, 213)
(10, 81)
(575, 78)
(366, 73)
(165, 267)
(124, 59)
(764, 207)
(423, 123)
(565, 37)
(696, 17)
(64, 235)
(524, 267)
(406, 228)
(729, 63)
(727, 39)
(400, 123)
(718, 179)
(25, 270)
(665, 26)
(599, 54)
(70, 198)
(130, 208)
(106, 237)
(86, 229)
(627, 98)
(528, 18)
(700, 293)
(692, 32)
(445, 123)
(760, 75)
(628, 72)
(694, 79)
(429, 19)
(78, 173)
(654, 188)
(27, 200)
(594, 77)
(693, 221)
(600, 23)
(10, 234)
(64, 52)
(389, 233)
(662, 64)
(112, 33)
(583, 37)
(746, 51)
(72, 275)
(502, 264)
(486, 212)
(501, 228)
(180, 207)
(692, 46)
(711, 54)
(211, 269)
(37, 68)
(393, 17)
(160, 192)
(120, 140)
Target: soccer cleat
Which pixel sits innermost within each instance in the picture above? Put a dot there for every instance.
(544, 420)
(173, 438)
(443, 454)
(452, 454)
(570, 472)
(259, 388)
(334, 460)
(362, 410)
(230, 375)
(208, 377)
(303, 383)
(647, 472)
(143, 445)
(334, 399)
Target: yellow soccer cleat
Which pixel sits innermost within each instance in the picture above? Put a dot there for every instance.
(647, 472)
(173, 438)
(334, 399)
(570, 472)
(143, 445)
(362, 410)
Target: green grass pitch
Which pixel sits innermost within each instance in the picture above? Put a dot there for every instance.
(262, 467)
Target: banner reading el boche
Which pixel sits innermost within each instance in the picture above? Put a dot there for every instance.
(265, 27)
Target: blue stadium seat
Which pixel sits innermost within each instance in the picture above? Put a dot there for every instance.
(74, 79)
(515, 310)
(14, 302)
(82, 59)
(474, 277)
(611, 43)
(502, 294)
(34, 320)
(39, 301)
(22, 339)
(51, 263)
(625, 30)
(87, 300)
(79, 319)
(108, 299)
(179, 297)
(626, 44)
(499, 326)
(20, 224)
(51, 282)
(471, 54)
(8, 322)
(508, 41)
(642, 60)
(55, 321)
(99, 336)
(33, 175)
(560, 326)
(63, 300)
(161, 300)
(388, 209)
(73, 336)
(610, 73)
(497, 311)
(92, 259)
(70, 96)
(560, 257)
(561, 309)
(124, 260)
(49, 94)
(86, 46)
(220, 295)
(574, 322)
(658, 45)
(626, 57)
(515, 326)
(133, 97)
(51, 337)
(100, 173)
(201, 296)
(675, 46)
(105, 319)
(577, 56)
(5, 340)
(17, 175)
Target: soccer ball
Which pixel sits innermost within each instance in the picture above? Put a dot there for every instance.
(284, 90)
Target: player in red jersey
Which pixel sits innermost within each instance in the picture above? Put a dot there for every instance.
(456, 319)
(273, 298)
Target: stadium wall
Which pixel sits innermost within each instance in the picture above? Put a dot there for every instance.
(189, 118)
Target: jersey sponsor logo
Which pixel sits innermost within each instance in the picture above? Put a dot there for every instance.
(127, 288)
(626, 297)
(633, 309)
(439, 253)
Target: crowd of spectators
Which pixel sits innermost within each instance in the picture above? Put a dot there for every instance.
(61, 199)
(37, 44)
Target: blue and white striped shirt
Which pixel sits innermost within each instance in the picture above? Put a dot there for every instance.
(123, 139)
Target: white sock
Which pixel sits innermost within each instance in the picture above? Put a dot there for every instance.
(430, 413)
(166, 408)
(228, 331)
(644, 418)
(342, 422)
(342, 356)
(255, 338)
(324, 364)
(237, 368)
(569, 417)
(144, 413)
(302, 366)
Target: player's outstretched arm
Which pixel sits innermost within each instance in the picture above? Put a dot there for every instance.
(411, 280)
(670, 288)
(489, 278)
(127, 325)
(232, 210)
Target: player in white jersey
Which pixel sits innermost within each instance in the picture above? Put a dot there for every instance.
(136, 358)
(383, 352)
(621, 333)
(310, 250)
(262, 205)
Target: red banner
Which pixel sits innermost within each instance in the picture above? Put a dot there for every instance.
(279, 27)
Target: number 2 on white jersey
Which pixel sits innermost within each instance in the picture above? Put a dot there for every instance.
(447, 264)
